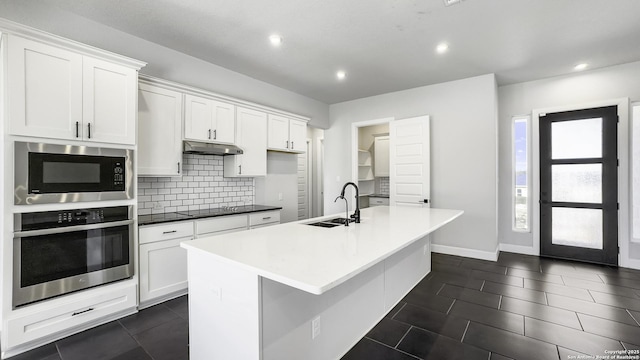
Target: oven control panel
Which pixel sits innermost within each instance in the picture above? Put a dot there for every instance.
(63, 218)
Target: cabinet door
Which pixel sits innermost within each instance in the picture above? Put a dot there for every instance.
(278, 135)
(198, 115)
(109, 102)
(163, 268)
(381, 152)
(159, 131)
(251, 127)
(44, 89)
(297, 136)
(224, 118)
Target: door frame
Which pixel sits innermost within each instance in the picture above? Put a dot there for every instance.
(623, 105)
(354, 142)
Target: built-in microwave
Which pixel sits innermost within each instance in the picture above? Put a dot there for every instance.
(48, 173)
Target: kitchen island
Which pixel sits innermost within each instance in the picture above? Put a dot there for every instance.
(296, 291)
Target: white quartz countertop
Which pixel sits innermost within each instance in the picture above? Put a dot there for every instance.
(316, 259)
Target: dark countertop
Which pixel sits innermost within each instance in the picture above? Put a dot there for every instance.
(379, 195)
(199, 214)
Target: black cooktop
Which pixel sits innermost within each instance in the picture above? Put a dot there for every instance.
(197, 214)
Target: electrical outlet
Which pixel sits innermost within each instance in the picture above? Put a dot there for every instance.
(157, 205)
(315, 327)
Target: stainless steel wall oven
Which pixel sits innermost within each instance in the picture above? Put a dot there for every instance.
(58, 252)
(48, 173)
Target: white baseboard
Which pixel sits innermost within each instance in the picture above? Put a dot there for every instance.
(630, 264)
(518, 249)
(470, 253)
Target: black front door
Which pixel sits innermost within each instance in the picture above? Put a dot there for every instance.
(579, 185)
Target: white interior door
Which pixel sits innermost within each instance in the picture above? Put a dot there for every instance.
(409, 162)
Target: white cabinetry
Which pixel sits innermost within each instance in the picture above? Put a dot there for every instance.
(163, 263)
(381, 152)
(74, 311)
(59, 93)
(159, 131)
(263, 219)
(209, 120)
(378, 201)
(286, 134)
(221, 225)
(251, 126)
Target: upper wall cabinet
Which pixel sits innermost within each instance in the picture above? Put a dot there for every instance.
(209, 120)
(251, 125)
(286, 134)
(160, 131)
(64, 94)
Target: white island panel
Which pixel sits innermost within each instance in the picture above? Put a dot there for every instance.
(255, 295)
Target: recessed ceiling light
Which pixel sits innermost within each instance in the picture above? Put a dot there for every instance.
(341, 75)
(442, 48)
(276, 40)
(580, 67)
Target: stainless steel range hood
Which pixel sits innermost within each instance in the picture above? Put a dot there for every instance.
(194, 147)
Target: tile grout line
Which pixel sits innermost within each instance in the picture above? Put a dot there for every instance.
(465, 330)
(403, 336)
(451, 306)
(394, 349)
(402, 307)
(633, 317)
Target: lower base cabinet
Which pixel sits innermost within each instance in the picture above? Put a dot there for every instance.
(163, 269)
(69, 314)
(163, 263)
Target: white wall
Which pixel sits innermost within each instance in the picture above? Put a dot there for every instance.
(463, 152)
(591, 86)
(163, 62)
(282, 178)
(315, 134)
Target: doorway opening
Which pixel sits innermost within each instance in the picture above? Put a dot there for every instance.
(370, 170)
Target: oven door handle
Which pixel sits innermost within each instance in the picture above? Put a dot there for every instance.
(60, 230)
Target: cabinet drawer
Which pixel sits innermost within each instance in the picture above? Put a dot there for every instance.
(222, 223)
(162, 232)
(79, 309)
(265, 217)
(375, 201)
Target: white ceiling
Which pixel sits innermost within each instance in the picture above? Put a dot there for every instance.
(383, 45)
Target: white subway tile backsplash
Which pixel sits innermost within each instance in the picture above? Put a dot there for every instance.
(203, 186)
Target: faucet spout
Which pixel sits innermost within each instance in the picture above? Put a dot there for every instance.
(346, 206)
(356, 214)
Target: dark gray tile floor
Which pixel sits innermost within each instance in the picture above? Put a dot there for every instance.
(520, 307)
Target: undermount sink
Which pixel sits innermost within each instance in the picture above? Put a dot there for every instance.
(329, 223)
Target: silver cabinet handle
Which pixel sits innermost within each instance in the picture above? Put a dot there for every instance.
(239, 169)
(292, 145)
(209, 137)
(178, 167)
(215, 134)
(77, 133)
(89, 128)
(287, 144)
(169, 232)
(266, 218)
